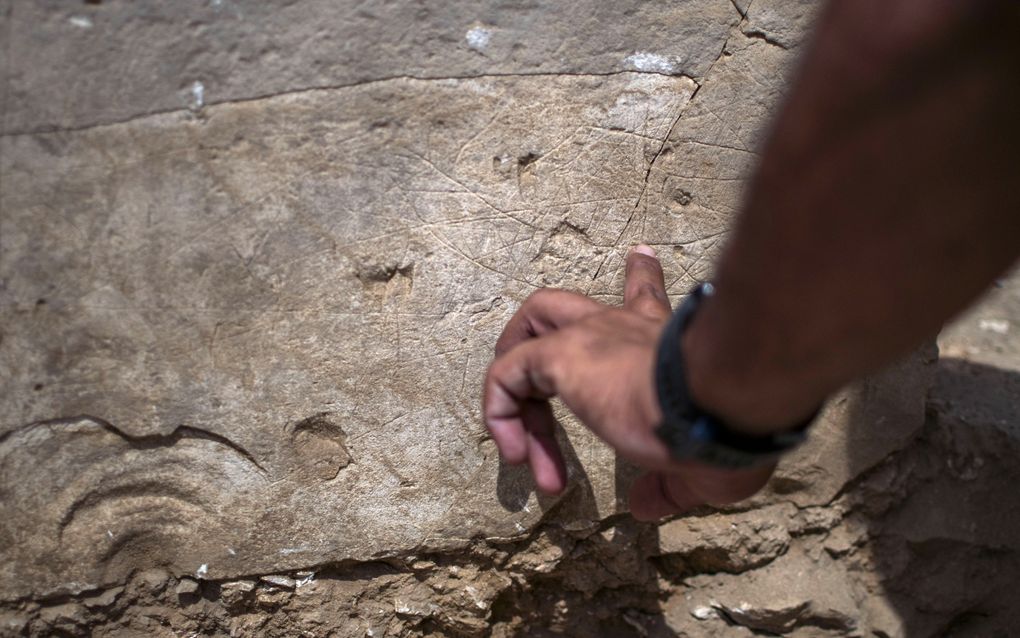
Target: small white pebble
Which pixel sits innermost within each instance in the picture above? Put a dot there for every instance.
(202, 570)
(82, 22)
(279, 580)
(703, 613)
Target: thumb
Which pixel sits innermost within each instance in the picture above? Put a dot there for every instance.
(659, 494)
(656, 495)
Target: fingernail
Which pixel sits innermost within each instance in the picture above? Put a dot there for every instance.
(644, 249)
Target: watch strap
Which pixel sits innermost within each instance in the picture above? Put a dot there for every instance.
(690, 432)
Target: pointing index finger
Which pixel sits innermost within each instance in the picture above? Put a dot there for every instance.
(645, 288)
(513, 381)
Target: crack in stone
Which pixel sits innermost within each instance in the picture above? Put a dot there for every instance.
(742, 14)
(648, 171)
(669, 133)
(47, 130)
(144, 441)
(753, 33)
(758, 34)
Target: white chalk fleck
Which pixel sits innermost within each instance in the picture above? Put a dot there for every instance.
(651, 63)
(520, 528)
(230, 550)
(82, 22)
(109, 534)
(305, 578)
(197, 96)
(998, 326)
(202, 570)
(478, 38)
(294, 550)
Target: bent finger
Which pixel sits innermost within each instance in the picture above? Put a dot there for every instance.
(514, 379)
(543, 311)
(544, 456)
(644, 290)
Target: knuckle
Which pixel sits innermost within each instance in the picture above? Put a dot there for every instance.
(495, 371)
(650, 290)
(649, 307)
(643, 262)
(645, 302)
(538, 299)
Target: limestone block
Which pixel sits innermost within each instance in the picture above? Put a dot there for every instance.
(250, 280)
(274, 318)
(75, 65)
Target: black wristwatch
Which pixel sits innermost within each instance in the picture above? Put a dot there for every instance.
(690, 432)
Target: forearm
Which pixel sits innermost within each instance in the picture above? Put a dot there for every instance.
(884, 203)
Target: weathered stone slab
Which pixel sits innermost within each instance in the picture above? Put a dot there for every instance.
(75, 65)
(248, 338)
(276, 316)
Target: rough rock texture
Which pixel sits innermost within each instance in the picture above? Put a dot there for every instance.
(253, 260)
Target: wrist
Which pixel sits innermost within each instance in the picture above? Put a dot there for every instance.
(733, 375)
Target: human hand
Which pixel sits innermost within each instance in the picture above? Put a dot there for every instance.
(600, 361)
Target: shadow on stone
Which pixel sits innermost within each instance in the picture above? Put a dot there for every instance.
(944, 518)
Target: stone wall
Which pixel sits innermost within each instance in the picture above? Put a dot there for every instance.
(254, 260)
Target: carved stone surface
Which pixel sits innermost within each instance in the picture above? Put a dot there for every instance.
(253, 261)
(290, 304)
(78, 65)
